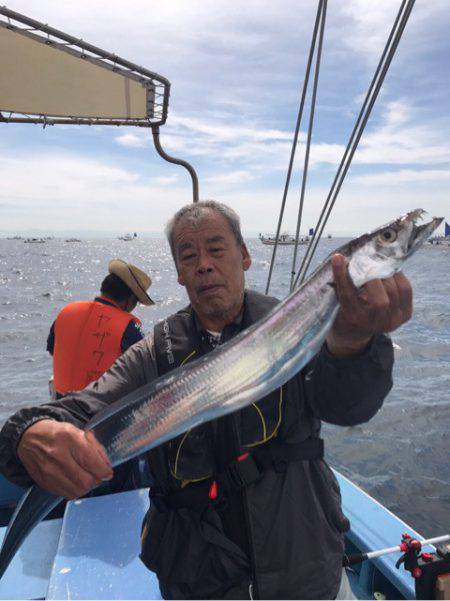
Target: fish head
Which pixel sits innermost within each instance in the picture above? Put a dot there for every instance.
(381, 253)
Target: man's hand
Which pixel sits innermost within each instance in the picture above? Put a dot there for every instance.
(63, 459)
(379, 306)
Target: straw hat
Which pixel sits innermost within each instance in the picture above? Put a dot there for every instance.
(136, 280)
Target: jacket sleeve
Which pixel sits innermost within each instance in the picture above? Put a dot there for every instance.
(133, 333)
(51, 339)
(133, 369)
(349, 391)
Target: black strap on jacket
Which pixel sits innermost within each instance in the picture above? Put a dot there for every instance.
(242, 472)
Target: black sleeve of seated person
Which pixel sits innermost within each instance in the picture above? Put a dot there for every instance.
(349, 391)
(51, 339)
(133, 333)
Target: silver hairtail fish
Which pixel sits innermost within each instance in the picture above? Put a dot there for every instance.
(240, 372)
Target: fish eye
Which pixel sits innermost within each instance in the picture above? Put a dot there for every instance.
(388, 235)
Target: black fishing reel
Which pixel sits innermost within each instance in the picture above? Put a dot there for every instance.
(431, 571)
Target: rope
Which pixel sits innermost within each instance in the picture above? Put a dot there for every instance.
(308, 142)
(371, 96)
(295, 139)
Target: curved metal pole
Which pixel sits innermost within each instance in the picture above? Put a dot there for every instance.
(185, 164)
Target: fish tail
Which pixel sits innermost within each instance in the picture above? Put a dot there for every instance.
(31, 509)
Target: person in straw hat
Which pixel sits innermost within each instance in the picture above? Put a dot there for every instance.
(88, 336)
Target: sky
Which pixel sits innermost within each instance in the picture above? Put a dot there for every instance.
(236, 70)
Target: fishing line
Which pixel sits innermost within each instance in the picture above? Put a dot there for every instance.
(308, 144)
(295, 139)
(371, 96)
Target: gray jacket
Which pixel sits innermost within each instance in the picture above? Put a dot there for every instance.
(298, 551)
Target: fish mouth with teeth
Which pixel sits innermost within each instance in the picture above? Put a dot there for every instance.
(420, 232)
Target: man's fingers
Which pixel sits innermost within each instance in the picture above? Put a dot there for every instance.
(394, 315)
(90, 437)
(379, 306)
(62, 459)
(405, 295)
(345, 289)
(71, 483)
(91, 457)
(375, 295)
(61, 475)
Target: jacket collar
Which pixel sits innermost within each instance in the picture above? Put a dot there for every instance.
(106, 301)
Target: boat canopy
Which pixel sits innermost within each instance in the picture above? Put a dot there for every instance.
(49, 76)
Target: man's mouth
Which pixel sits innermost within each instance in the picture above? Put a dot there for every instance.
(208, 288)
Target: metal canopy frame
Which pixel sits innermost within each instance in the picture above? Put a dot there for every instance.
(157, 87)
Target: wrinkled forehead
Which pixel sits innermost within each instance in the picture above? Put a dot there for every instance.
(209, 224)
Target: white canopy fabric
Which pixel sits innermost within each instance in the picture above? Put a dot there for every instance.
(43, 79)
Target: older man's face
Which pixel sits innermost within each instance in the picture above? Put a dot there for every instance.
(211, 265)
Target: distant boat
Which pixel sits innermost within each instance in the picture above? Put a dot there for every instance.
(442, 241)
(128, 237)
(73, 240)
(329, 236)
(34, 241)
(283, 240)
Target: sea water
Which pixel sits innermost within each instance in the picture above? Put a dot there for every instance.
(400, 457)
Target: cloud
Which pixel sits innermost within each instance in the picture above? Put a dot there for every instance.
(132, 140)
(402, 177)
(57, 191)
(403, 139)
(68, 190)
(368, 29)
(396, 138)
(227, 132)
(231, 178)
(165, 181)
(180, 128)
(236, 76)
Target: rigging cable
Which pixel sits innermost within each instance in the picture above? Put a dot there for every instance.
(295, 139)
(308, 143)
(375, 86)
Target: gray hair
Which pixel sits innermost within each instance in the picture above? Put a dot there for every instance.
(194, 213)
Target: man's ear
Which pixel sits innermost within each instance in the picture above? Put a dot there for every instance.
(246, 258)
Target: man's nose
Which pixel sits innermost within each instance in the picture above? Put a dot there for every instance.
(204, 263)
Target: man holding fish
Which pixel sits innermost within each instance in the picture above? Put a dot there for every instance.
(244, 505)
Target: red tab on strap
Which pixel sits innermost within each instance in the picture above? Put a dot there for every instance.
(213, 491)
(243, 457)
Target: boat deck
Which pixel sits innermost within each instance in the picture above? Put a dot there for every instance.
(93, 551)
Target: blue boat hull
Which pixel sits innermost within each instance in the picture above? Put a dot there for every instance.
(81, 556)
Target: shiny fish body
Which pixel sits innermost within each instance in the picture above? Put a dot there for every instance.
(240, 372)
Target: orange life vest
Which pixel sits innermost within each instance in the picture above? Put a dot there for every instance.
(88, 337)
